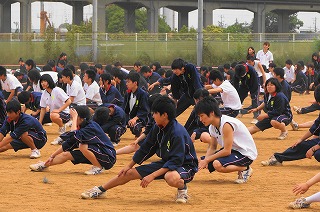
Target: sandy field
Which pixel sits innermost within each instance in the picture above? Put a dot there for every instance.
(269, 189)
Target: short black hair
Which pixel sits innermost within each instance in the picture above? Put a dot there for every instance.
(48, 79)
(152, 98)
(163, 105)
(169, 73)
(47, 68)
(3, 71)
(83, 67)
(272, 65)
(67, 73)
(145, 69)
(101, 115)
(31, 63)
(62, 54)
(62, 62)
(83, 111)
(157, 65)
(274, 82)
(279, 72)
(99, 66)
(251, 58)
(161, 71)
(178, 64)
(24, 97)
(226, 66)
(240, 70)
(13, 106)
(34, 75)
(317, 94)
(216, 75)
(289, 62)
(301, 62)
(106, 77)
(233, 65)
(134, 77)
(117, 64)
(208, 105)
(200, 93)
(91, 74)
(72, 68)
(119, 74)
(51, 63)
(137, 63)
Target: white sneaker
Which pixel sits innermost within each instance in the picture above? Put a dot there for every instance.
(57, 141)
(272, 161)
(243, 176)
(47, 124)
(62, 129)
(93, 193)
(38, 167)
(69, 123)
(254, 121)
(35, 153)
(294, 125)
(182, 196)
(94, 170)
(297, 109)
(283, 135)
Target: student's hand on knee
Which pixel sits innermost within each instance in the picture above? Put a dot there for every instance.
(49, 161)
(193, 137)
(310, 153)
(124, 171)
(296, 143)
(147, 180)
(203, 164)
(300, 188)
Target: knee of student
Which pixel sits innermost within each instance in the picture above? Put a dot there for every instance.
(172, 177)
(217, 165)
(83, 147)
(253, 129)
(205, 137)
(54, 116)
(24, 135)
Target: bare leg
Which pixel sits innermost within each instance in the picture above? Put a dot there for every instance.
(25, 138)
(55, 118)
(231, 168)
(173, 179)
(89, 155)
(131, 174)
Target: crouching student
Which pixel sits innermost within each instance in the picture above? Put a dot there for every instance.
(25, 131)
(93, 146)
(238, 148)
(171, 142)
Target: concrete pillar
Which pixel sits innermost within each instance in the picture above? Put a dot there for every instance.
(130, 19)
(101, 17)
(5, 18)
(183, 18)
(25, 16)
(207, 17)
(259, 23)
(283, 21)
(153, 17)
(77, 13)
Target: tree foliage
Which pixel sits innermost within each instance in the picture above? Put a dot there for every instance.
(272, 22)
(238, 28)
(213, 29)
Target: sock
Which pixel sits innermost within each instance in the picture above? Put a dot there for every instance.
(102, 189)
(313, 198)
(184, 187)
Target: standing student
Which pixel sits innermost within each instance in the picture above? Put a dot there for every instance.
(24, 131)
(135, 104)
(278, 113)
(85, 143)
(10, 84)
(58, 102)
(74, 89)
(171, 142)
(264, 55)
(185, 81)
(238, 149)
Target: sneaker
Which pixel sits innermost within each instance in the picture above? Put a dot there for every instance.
(294, 125)
(57, 141)
(35, 153)
(272, 161)
(62, 129)
(38, 167)
(254, 121)
(47, 124)
(93, 193)
(94, 170)
(299, 203)
(69, 123)
(182, 196)
(243, 176)
(297, 109)
(283, 135)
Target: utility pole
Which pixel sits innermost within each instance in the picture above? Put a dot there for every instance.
(315, 24)
(200, 33)
(95, 30)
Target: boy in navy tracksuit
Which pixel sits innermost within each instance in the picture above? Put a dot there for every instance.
(3, 112)
(109, 93)
(135, 104)
(185, 81)
(25, 131)
(151, 77)
(171, 142)
(245, 80)
(85, 143)
(112, 120)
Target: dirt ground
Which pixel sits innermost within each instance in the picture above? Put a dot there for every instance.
(269, 189)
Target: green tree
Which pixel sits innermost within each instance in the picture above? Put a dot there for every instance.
(238, 28)
(213, 29)
(272, 22)
(141, 20)
(114, 19)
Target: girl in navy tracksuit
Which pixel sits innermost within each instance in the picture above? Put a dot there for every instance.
(85, 143)
(299, 85)
(276, 105)
(109, 93)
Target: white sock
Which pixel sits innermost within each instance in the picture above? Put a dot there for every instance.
(313, 198)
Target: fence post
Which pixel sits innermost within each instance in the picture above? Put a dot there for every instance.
(34, 36)
(106, 36)
(55, 36)
(136, 37)
(260, 37)
(11, 36)
(293, 37)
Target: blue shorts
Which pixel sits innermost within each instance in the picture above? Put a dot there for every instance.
(186, 172)
(265, 123)
(235, 158)
(38, 139)
(65, 117)
(80, 158)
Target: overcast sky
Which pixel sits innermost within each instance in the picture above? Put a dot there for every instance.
(61, 13)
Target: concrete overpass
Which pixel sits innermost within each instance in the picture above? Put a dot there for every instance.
(183, 7)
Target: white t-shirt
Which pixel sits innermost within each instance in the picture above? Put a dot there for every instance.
(55, 100)
(289, 73)
(36, 87)
(77, 79)
(75, 90)
(92, 92)
(265, 58)
(242, 139)
(229, 95)
(11, 83)
(256, 68)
